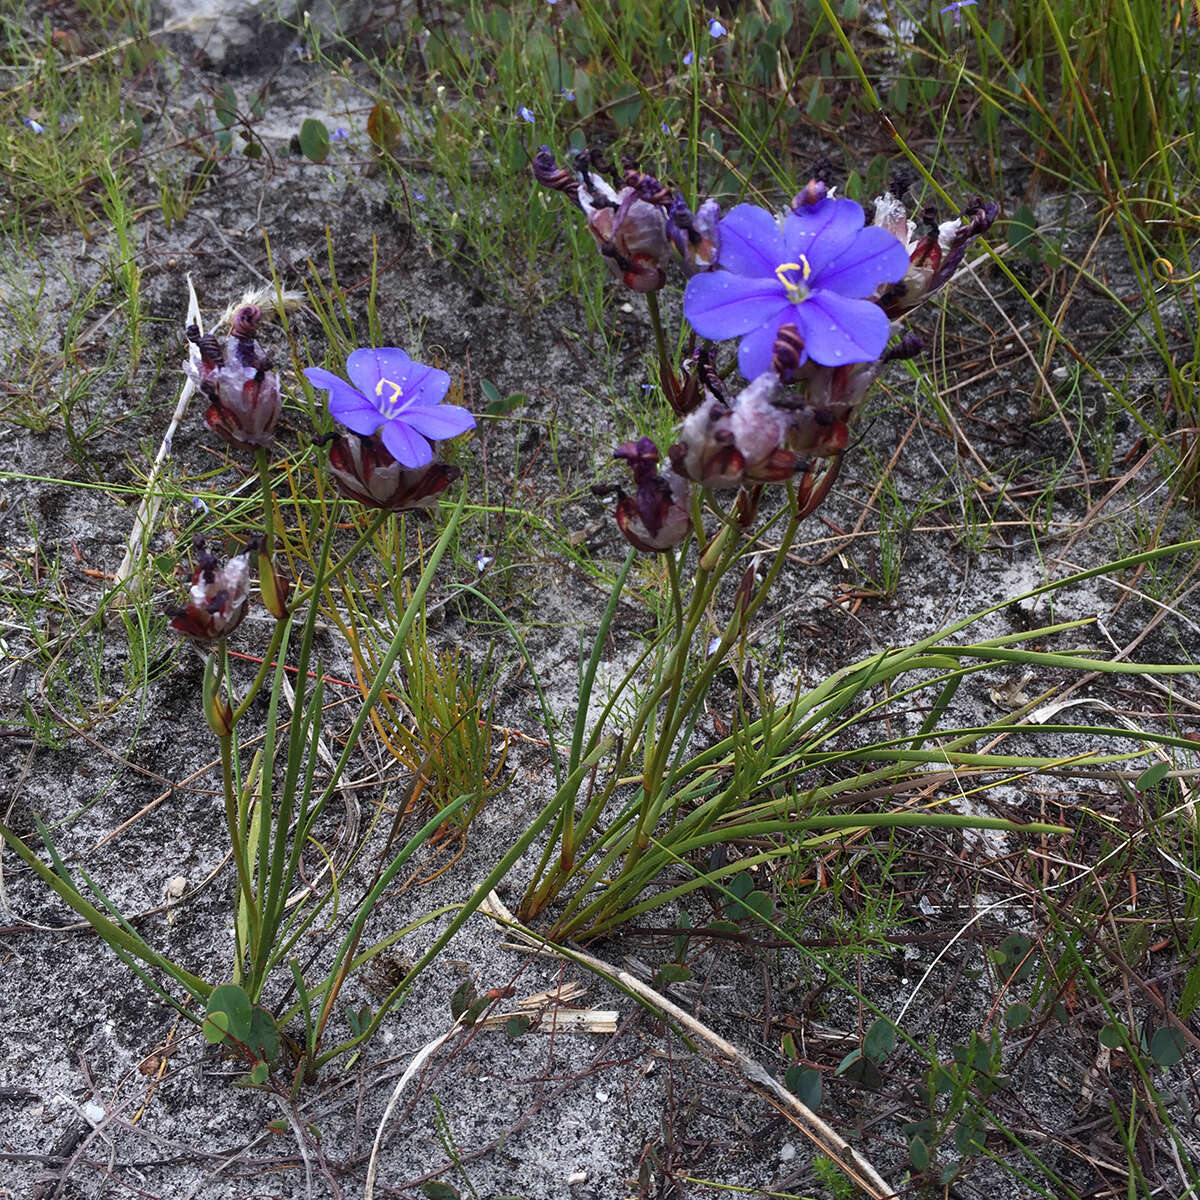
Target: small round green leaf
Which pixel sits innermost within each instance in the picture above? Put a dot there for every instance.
(232, 1001)
(1016, 1015)
(1155, 775)
(214, 1027)
(314, 140)
(880, 1040)
(805, 1084)
(1167, 1046)
(1112, 1036)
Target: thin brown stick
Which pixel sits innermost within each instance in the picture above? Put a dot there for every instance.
(853, 1164)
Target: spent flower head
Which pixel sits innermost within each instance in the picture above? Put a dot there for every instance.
(362, 469)
(235, 376)
(658, 516)
(400, 399)
(815, 271)
(935, 251)
(630, 226)
(217, 598)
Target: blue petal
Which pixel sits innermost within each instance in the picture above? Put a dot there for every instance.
(874, 257)
(751, 243)
(408, 447)
(346, 404)
(823, 231)
(420, 384)
(721, 305)
(438, 422)
(837, 330)
(368, 366)
(757, 348)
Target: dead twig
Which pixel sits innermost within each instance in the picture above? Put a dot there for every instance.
(851, 1162)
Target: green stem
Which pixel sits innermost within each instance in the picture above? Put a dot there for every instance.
(237, 845)
(302, 598)
(263, 465)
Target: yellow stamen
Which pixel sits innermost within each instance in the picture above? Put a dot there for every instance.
(796, 291)
(397, 392)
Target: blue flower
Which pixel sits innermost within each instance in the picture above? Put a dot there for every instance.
(400, 398)
(339, 134)
(526, 114)
(688, 59)
(566, 93)
(30, 123)
(956, 8)
(812, 272)
(717, 30)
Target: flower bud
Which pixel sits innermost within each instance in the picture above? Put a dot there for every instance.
(548, 173)
(813, 192)
(658, 516)
(748, 442)
(363, 469)
(218, 596)
(273, 584)
(217, 710)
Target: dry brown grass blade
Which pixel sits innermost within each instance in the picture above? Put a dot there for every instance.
(854, 1165)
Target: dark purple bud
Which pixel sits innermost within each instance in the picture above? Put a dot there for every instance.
(548, 173)
(909, 346)
(218, 596)
(647, 187)
(246, 321)
(809, 196)
(788, 353)
(363, 469)
(211, 352)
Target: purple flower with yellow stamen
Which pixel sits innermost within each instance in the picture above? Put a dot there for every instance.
(816, 272)
(401, 399)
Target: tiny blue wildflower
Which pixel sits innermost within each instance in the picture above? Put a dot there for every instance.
(956, 8)
(199, 506)
(526, 114)
(483, 561)
(567, 94)
(717, 30)
(397, 397)
(813, 272)
(340, 134)
(30, 123)
(688, 59)
(665, 128)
